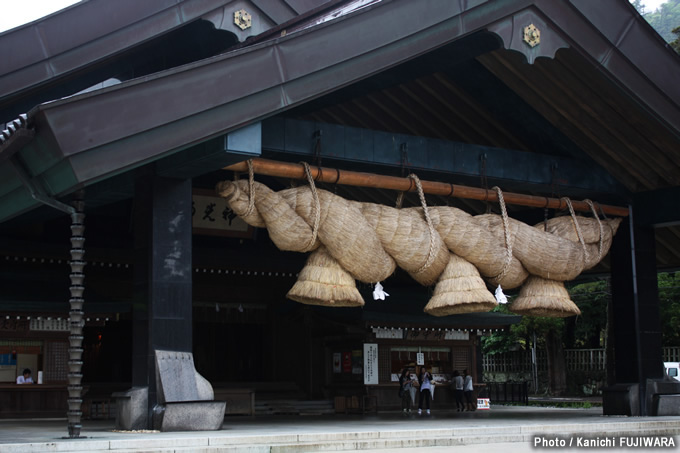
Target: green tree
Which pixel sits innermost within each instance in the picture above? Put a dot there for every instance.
(549, 333)
(588, 329)
(639, 6)
(502, 341)
(549, 336)
(676, 44)
(669, 307)
(665, 19)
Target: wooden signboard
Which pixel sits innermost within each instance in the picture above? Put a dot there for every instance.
(212, 215)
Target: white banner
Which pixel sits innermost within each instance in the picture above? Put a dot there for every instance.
(370, 364)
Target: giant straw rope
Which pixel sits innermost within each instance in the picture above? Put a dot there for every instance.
(369, 240)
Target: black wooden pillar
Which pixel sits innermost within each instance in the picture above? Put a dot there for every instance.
(635, 305)
(163, 279)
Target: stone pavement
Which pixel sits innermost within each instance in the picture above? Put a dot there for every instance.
(507, 429)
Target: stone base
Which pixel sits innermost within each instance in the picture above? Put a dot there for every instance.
(190, 416)
(621, 399)
(662, 397)
(132, 406)
(667, 404)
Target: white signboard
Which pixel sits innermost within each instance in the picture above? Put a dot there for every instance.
(62, 325)
(388, 333)
(370, 364)
(420, 358)
(457, 335)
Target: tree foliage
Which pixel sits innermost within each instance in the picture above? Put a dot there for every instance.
(521, 335)
(639, 6)
(669, 307)
(500, 342)
(665, 20)
(676, 44)
(588, 329)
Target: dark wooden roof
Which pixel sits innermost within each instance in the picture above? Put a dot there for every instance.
(560, 106)
(74, 48)
(601, 87)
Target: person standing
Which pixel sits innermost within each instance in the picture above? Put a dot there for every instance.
(405, 384)
(25, 378)
(468, 389)
(425, 380)
(458, 390)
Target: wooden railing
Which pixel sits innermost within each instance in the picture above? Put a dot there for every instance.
(507, 392)
(585, 359)
(671, 354)
(576, 359)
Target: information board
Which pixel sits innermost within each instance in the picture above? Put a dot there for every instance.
(370, 364)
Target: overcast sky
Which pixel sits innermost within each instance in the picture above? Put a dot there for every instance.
(17, 12)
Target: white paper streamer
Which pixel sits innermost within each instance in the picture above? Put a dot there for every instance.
(378, 292)
(500, 297)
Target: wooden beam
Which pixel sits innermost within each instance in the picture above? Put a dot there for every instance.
(360, 179)
(506, 167)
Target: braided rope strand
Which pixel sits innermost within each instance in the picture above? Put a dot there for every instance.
(599, 224)
(400, 200)
(578, 229)
(506, 233)
(430, 253)
(316, 206)
(251, 189)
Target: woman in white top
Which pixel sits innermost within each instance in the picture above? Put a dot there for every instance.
(468, 389)
(425, 379)
(25, 378)
(458, 388)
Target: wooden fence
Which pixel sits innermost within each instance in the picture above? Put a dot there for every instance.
(671, 354)
(513, 362)
(576, 359)
(585, 359)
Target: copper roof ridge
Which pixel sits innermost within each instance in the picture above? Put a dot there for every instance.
(276, 31)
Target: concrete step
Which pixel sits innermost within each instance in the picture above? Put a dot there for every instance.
(224, 441)
(294, 407)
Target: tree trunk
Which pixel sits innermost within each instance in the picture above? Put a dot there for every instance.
(557, 373)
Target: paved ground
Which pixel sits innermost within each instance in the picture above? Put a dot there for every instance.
(515, 447)
(505, 429)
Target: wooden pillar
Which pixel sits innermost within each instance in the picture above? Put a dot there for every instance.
(162, 312)
(478, 359)
(635, 308)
